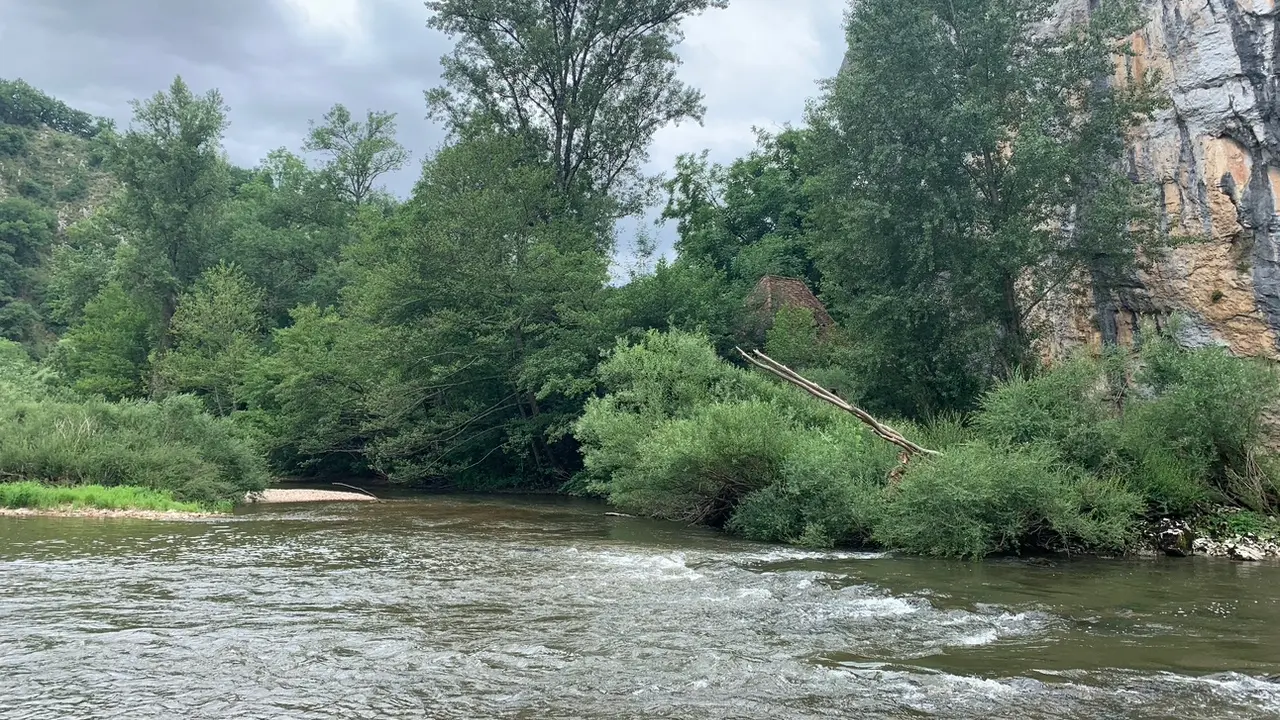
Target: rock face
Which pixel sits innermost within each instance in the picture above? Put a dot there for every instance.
(1215, 156)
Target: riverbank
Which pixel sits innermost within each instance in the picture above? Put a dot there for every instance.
(276, 496)
(74, 512)
(32, 499)
(28, 497)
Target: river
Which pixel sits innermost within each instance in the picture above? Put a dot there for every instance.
(455, 607)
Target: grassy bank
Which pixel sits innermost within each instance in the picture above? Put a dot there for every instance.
(171, 447)
(28, 495)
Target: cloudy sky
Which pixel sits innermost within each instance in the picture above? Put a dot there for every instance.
(280, 63)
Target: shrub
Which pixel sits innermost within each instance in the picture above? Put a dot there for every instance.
(980, 499)
(665, 376)
(1064, 407)
(14, 141)
(20, 376)
(75, 189)
(830, 492)
(35, 190)
(170, 446)
(698, 469)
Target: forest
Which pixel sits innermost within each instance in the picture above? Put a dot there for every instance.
(172, 322)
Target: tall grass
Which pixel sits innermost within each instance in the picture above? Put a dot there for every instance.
(171, 446)
(37, 496)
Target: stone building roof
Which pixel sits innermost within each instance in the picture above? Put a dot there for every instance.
(775, 292)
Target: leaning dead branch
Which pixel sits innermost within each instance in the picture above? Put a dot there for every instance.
(764, 362)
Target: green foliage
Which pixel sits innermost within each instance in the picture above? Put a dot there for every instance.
(1067, 406)
(944, 171)
(21, 379)
(679, 295)
(35, 190)
(1234, 522)
(15, 142)
(697, 469)
(485, 289)
(830, 492)
(26, 232)
(1190, 432)
(287, 228)
(681, 434)
(36, 496)
(175, 184)
(359, 153)
(979, 499)
(746, 220)
(216, 331)
(170, 446)
(24, 106)
(308, 397)
(75, 189)
(80, 266)
(793, 338)
(589, 81)
(106, 353)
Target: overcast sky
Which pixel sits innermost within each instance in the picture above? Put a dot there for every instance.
(280, 63)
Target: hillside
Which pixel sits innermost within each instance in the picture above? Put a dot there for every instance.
(50, 154)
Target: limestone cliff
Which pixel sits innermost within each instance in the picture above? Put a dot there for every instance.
(1215, 155)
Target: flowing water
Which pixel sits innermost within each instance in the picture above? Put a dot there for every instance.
(448, 607)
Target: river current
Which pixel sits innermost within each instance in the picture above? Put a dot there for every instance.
(454, 607)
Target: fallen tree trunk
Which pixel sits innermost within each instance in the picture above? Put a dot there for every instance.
(764, 362)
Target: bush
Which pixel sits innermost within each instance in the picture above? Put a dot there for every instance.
(980, 499)
(75, 189)
(830, 492)
(698, 469)
(172, 446)
(1064, 407)
(20, 377)
(35, 190)
(14, 141)
(1187, 431)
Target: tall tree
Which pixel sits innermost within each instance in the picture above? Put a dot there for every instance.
(592, 80)
(359, 152)
(484, 291)
(175, 185)
(216, 332)
(973, 164)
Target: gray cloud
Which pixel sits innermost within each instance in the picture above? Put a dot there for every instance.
(281, 63)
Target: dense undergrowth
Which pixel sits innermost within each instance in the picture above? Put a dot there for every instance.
(1073, 459)
(172, 446)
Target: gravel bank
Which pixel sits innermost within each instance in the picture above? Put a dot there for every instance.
(280, 495)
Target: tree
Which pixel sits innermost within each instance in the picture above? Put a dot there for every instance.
(747, 219)
(970, 166)
(590, 80)
(106, 352)
(216, 332)
(26, 233)
(175, 185)
(82, 263)
(286, 228)
(359, 152)
(483, 292)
